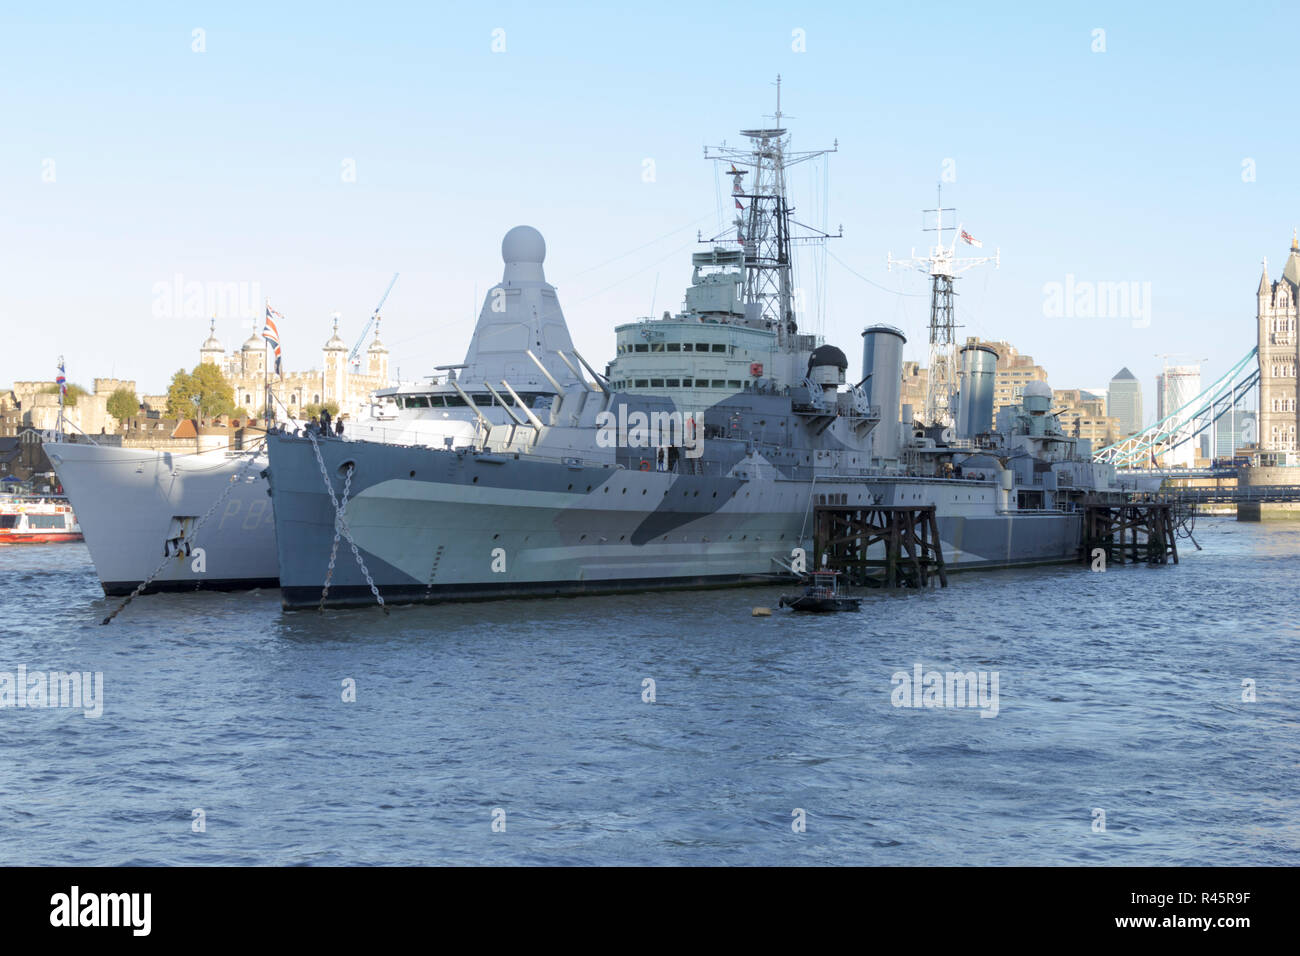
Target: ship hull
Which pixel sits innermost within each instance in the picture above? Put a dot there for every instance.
(131, 503)
(437, 526)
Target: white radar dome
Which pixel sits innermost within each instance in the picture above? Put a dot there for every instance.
(523, 244)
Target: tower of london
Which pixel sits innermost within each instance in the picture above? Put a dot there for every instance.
(335, 382)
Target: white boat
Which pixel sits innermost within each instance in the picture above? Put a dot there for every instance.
(37, 519)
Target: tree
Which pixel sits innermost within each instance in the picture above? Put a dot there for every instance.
(70, 399)
(123, 404)
(216, 396)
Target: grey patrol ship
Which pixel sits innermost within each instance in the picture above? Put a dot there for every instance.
(695, 460)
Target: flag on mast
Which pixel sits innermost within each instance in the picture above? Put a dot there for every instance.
(272, 334)
(62, 380)
(970, 240)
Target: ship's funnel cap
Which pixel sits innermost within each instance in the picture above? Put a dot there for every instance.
(523, 250)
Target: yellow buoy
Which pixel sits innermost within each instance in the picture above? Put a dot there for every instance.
(762, 612)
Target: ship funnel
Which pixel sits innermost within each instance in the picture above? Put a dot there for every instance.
(979, 365)
(882, 367)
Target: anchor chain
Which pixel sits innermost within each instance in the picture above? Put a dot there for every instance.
(341, 530)
(188, 538)
(334, 547)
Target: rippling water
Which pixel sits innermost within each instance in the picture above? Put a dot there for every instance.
(1120, 691)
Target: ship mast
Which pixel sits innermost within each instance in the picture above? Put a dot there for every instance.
(943, 267)
(764, 223)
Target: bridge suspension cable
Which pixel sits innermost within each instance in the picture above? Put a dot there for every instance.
(1189, 421)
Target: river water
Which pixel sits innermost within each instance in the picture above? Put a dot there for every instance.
(523, 731)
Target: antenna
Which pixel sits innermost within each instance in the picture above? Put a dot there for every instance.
(938, 221)
(765, 227)
(943, 266)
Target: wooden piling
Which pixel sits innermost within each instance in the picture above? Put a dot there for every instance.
(913, 552)
(1130, 532)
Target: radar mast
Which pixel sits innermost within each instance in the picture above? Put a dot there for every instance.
(765, 228)
(941, 390)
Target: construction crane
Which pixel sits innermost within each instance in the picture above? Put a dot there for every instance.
(354, 357)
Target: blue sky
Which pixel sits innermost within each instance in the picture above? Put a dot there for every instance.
(227, 166)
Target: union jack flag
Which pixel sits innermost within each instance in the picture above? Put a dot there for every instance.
(62, 379)
(272, 334)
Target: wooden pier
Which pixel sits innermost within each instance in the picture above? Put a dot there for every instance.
(913, 552)
(1131, 533)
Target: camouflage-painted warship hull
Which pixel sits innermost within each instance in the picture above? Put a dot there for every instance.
(436, 525)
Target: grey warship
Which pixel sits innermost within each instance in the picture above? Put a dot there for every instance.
(695, 460)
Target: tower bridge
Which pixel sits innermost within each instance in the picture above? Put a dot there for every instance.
(1268, 372)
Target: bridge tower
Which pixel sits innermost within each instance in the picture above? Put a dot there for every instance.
(1277, 313)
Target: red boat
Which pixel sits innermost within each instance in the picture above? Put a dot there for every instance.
(37, 519)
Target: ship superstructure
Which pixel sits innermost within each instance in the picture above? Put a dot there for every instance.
(696, 460)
